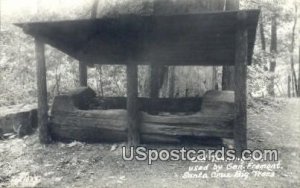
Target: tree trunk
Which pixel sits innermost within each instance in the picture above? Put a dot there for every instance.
(99, 70)
(289, 86)
(299, 73)
(157, 73)
(263, 39)
(94, 9)
(0, 16)
(82, 65)
(171, 82)
(273, 50)
(172, 87)
(294, 77)
(293, 93)
(228, 71)
(155, 81)
(262, 33)
(82, 74)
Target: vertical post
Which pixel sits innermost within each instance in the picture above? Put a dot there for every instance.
(82, 74)
(132, 105)
(241, 45)
(44, 135)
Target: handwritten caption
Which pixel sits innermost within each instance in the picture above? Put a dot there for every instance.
(239, 169)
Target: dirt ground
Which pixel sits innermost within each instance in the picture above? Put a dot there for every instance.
(26, 163)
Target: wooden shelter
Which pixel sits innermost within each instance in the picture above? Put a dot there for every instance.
(207, 39)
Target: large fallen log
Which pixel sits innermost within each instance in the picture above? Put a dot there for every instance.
(70, 123)
(110, 125)
(20, 119)
(84, 98)
(186, 104)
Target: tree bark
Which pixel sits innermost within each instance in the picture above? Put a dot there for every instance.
(157, 73)
(299, 73)
(294, 92)
(155, 81)
(294, 77)
(69, 122)
(240, 124)
(289, 86)
(171, 82)
(100, 72)
(262, 33)
(82, 74)
(82, 66)
(273, 50)
(108, 126)
(0, 14)
(94, 9)
(228, 71)
(172, 86)
(263, 39)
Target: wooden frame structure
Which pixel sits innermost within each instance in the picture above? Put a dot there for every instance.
(209, 39)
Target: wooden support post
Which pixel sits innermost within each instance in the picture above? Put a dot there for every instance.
(132, 105)
(82, 74)
(44, 135)
(240, 124)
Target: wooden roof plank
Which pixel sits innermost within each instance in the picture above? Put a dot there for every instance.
(191, 39)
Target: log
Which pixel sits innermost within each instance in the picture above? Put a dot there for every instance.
(84, 98)
(71, 123)
(79, 98)
(116, 120)
(111, 126)
(20, 119)
(187, 104)
(218, 102)
(64, 133)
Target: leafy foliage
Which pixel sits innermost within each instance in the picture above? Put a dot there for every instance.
(18, 69)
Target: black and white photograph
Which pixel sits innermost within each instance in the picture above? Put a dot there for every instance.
(149, 93)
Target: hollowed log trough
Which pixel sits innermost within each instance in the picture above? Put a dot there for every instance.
(81, 116)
